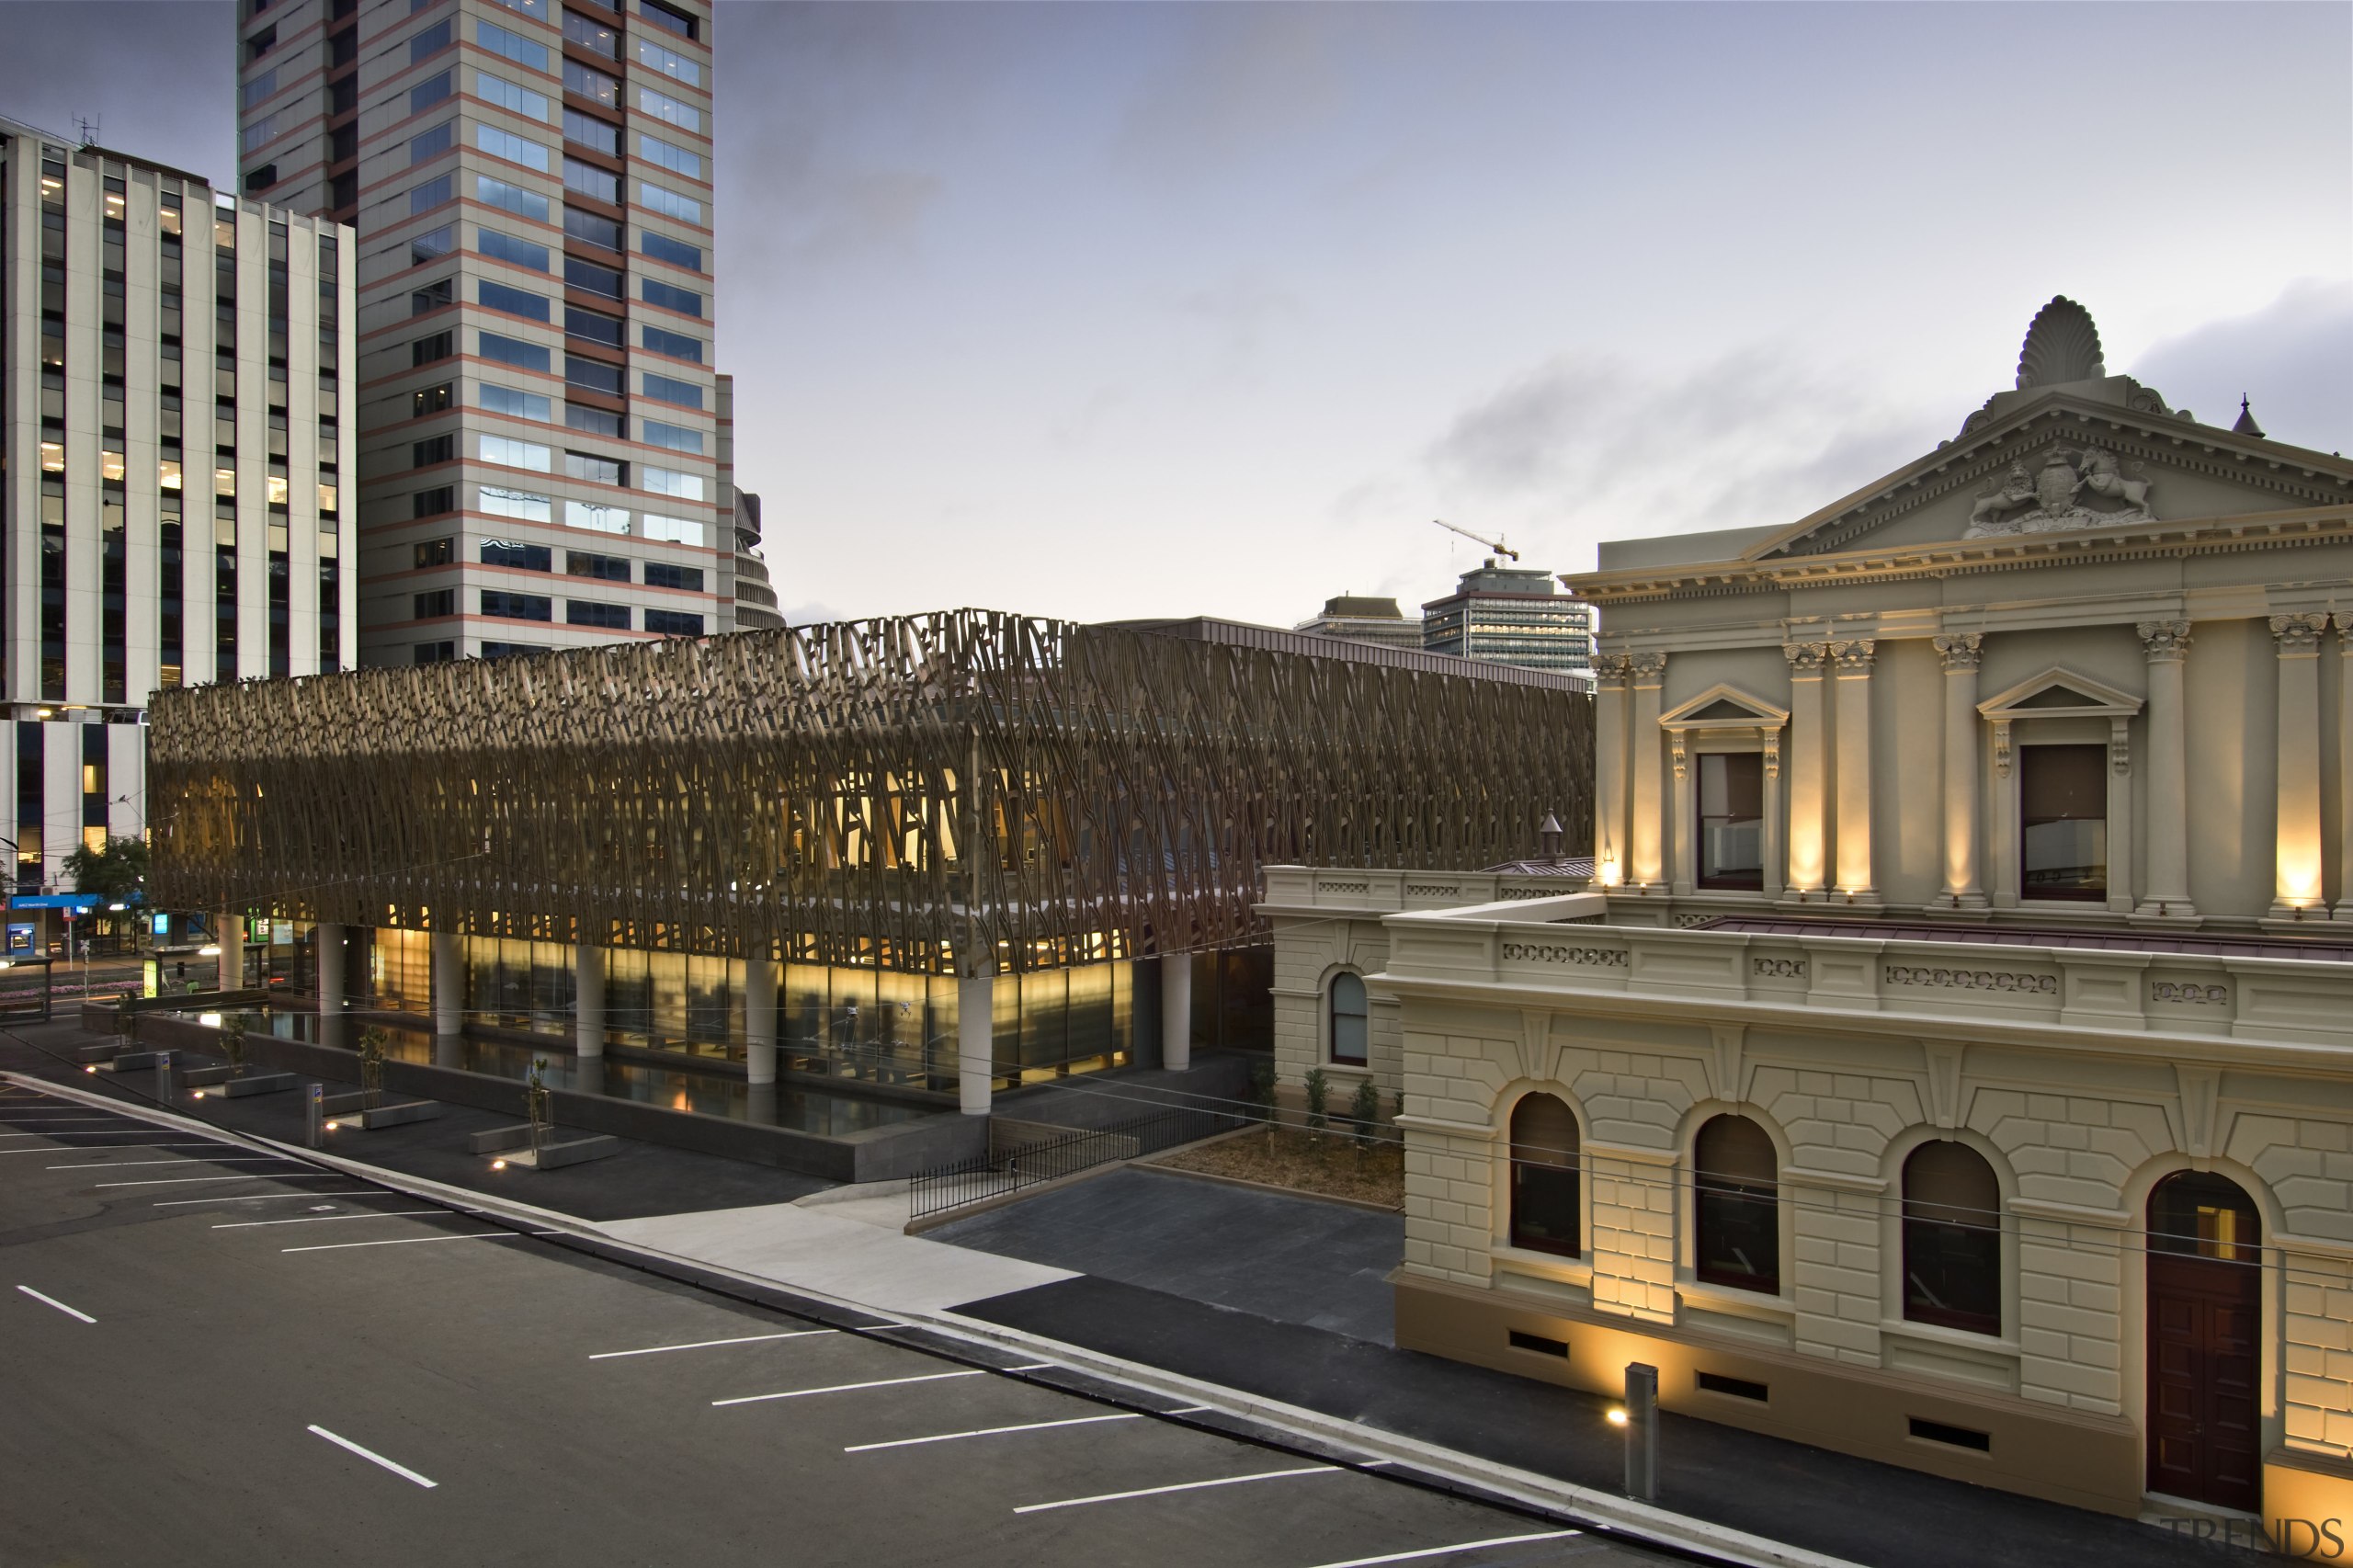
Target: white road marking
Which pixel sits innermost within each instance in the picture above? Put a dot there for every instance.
(53, 1302)
(400, 1470)
(1179, 1486)
(261, 1198)
(51, 1121)
(102, 1148)
(1032, 1367)
(707, 1344)
(265, 1175)
(1189, 1410)
(411, 1241)
(123, 1132)
(1450, 1551)
(848, 1388)
(224, 1159)
(315, 1219)
(988, 1432)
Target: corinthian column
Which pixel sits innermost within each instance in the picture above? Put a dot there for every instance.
(1854, 687)
(2297, 889)
(2166, 643)
(1646, 867)
(1808, 862)
(2344, 767)
(1960, 651)
(1609, 768)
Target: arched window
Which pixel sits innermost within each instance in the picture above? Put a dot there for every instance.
(2205, 1333)
(2200, 1214)
(1735, 1179)
(1349, 1019)
(1545, 1213)
(1952, 1239)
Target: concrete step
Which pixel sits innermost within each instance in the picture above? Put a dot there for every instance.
(259, 1083)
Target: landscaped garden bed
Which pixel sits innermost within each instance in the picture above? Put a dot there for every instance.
(1330, 1164)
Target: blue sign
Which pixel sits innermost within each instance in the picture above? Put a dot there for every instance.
(80, 902)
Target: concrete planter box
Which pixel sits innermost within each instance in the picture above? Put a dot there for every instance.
(397, 1115)
(554, 1157)
(258, 1084)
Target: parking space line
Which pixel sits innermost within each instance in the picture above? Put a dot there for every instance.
(991, 1432)
(707, 1344)
(102, 1148)
(265, 1197)
(265, 1175)
(316, 1219)
(1189, 1410)
(412, 1241)
(400, 1470)
(1179, 1486)
(53, 1302)
(849, 1388)
(121, 1133)
(224, 1159)
(1450, 1551)
(1032, 1367)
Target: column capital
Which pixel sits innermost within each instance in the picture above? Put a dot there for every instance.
(1647, 666)
(2164, 641)
(1806, 658)
(2298, 634)
(1611, 669)
(1960, 650)
(1854, 654)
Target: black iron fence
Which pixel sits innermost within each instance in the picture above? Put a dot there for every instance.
(1027, 1161)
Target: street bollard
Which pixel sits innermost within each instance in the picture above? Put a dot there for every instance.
(1642, 1432)
(314, 1117)
(162, 1077)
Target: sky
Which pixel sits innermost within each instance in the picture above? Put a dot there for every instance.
(1118, 309)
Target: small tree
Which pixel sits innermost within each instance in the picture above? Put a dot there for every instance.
(232, 1043)
(1262, 1095)
(371, 1066)
(113, 873)
(1319, 1098)
(538, 1104)
(1364, 1110)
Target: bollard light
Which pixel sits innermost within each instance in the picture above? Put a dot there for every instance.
(498, 1165)
(1616, 1415)
(1640, 1417)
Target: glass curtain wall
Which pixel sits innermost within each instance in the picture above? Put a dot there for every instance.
(400, 970)
(515, 984)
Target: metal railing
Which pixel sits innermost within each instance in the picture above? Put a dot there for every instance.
(1022, 1164)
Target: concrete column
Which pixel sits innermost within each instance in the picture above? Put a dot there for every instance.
(232, 941)
(1961, 652)
(2166, 643)
(588, 1001)
(975, 1041)
(2344, 767)
(1645, 858)
(1853, 682)
(1176, 1011)
(1809, 858)
(759, 1020)
(449, 982)
(1609, 769)
(326, 943)
(2298, 857)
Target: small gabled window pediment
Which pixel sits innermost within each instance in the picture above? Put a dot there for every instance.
(2058, 693)
(1724, 707)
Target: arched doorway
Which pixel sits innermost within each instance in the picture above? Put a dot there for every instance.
(2205, 1341)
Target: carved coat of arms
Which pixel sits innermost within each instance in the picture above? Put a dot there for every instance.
(2086, 489)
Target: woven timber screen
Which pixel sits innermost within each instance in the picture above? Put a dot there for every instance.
(926, 793)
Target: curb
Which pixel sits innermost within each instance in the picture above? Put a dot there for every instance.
(1449, 1470)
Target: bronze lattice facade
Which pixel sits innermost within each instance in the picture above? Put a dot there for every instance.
(940, 793)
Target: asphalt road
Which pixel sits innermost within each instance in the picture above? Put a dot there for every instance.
(211, 1357)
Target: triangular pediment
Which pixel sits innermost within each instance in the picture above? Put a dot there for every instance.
(1722, 707)
(2060, 693)
(2064, 463)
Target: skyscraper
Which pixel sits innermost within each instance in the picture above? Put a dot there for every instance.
(532, 185)
(177, 397)
(1509, 616)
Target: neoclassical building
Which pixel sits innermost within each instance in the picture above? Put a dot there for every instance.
(1951, 1059)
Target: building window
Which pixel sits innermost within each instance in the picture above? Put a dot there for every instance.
(587, 612)
(677, 345)
(435, 652)
(1738, 1207)
(513, 351)
(2063, 821)
(662, 574)
(607, 568)
(513, 302)
(1350, 1012)
(661, 247)
(506, 247)
(432, 399)
(523, 557)
(436, 551)
(2199, 1214)
(1545, 1215)
(437, 602)
(673, 623)
(433, 349)
(594, 134)
(592, 375)
(1732, 820)
(589, 229)
(590, 84)
(591, 35)
(668, 17)
(517, 607)
(1952, 1239)
(588, 180)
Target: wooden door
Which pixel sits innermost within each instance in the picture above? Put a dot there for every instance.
(2204, 1357)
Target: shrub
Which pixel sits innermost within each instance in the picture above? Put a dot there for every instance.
(1364, 1112)
(1319, 1098)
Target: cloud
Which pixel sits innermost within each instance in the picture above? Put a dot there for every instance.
(854, 214)
(1590, 447)
(2294, 360)
(1237, 78)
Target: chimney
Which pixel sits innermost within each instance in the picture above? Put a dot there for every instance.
(1547, 839)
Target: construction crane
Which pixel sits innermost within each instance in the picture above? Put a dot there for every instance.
(1497, 544)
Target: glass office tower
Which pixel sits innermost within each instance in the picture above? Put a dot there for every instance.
(531, 185)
